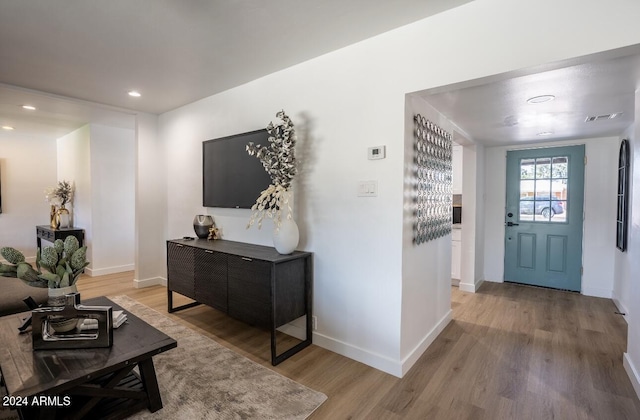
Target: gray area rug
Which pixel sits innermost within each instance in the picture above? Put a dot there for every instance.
(201, 379)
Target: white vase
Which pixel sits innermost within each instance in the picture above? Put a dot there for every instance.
(286, 238)
(57, 296)
(64, 217)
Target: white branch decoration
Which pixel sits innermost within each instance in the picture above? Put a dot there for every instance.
(278, 159)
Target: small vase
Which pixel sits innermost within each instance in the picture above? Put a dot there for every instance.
(286, 237)
(57, 298)
(64, 217)
(201, 225)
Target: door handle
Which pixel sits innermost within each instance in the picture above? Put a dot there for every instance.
(512, 224)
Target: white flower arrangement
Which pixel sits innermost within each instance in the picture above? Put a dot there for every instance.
(278, 159)
(60, 194)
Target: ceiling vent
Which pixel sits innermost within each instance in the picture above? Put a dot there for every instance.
(603, 117)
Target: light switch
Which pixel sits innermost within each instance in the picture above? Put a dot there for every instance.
(368, 189)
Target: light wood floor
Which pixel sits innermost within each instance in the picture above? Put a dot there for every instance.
(511, 352)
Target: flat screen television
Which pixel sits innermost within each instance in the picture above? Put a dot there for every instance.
(230, 177)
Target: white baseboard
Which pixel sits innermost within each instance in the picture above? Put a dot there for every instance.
(93, 272)
(470, 287)
(386, 364)
(632, 372)
(467, 287)
(377, 361)
(415, 354)
(621, 308)
(153, 281)
(595, 292)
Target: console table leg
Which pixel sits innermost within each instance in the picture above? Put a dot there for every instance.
(274, 357)
(274, 305)
(308, 304)
(170, 307)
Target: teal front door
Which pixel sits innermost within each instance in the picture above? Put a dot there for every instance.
(543, 218)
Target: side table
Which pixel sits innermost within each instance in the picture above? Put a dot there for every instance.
(50, 234)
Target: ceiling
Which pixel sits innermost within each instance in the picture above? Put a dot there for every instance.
(497, 112)
(55, 116)
(176, 52)
(76, 61)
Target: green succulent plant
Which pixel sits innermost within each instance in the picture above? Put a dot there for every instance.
(58, 245)
(71, 245)
(12, 255)
(79, 258)
(56, 266)
(49, 258)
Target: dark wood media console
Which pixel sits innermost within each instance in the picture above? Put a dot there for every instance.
(251, 283)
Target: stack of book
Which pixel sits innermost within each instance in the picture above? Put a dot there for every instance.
(119, 318)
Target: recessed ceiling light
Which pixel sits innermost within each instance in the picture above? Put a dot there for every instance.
(134, 93)
(29, 107)
(545, 133)
(7, 127)
(541, 99)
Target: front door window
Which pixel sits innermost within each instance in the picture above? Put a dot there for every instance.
(543, 189)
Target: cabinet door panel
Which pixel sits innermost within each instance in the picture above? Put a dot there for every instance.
(250, 291)
(180, 272)
(211, 278)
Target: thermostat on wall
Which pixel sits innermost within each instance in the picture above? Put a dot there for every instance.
(377, 152)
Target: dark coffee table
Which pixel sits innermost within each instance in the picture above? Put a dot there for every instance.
(84, 383)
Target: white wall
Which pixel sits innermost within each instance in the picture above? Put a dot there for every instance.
(74, 165)
(599, 208)
(426, 268)
(470, 277)
(112, 157)
(354, 98)
(151, 204)
(622, 278)
(28, 167)
(630, 292)
(100, 160)
(600, 200)
(357, 276)
(480, 211)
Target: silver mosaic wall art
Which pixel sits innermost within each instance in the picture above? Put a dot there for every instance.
(432, 197)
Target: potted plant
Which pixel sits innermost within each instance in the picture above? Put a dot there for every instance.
(57, 267)
(58, 197)
(278, 159)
